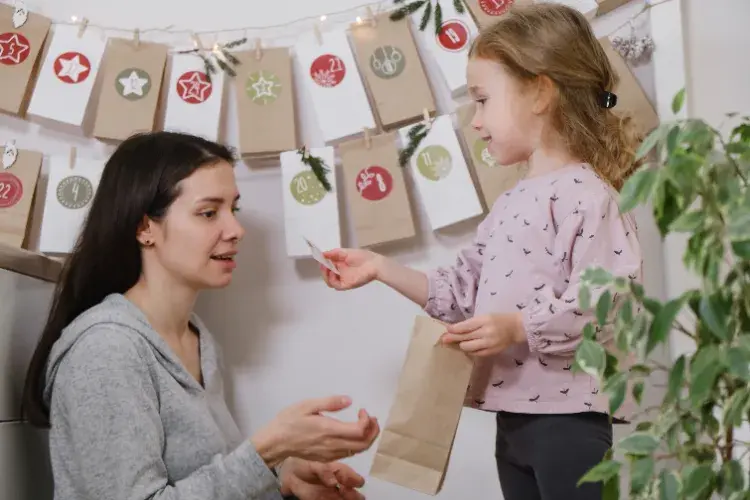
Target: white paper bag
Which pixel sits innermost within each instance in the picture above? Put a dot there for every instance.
(442, 177)
(330, 75)
(310, 212)
(67, 76)
(450, 48)
(193, 103)
(67, 202)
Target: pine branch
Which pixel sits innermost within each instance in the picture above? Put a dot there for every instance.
(425, 16)
(459, 6)
(317, 165)
(234, 43)
(438, 18)
(407, 9)
(416, 136)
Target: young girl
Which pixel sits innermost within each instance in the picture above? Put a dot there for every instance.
(543, 91)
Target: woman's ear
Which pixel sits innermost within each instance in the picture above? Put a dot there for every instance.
(145, 233)
(546, 93)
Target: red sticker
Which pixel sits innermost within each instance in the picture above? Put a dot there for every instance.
(495, 7)
(193, 87)
(14, 48)
(454, 35)
(374, 183)
(327, 70)
(11, 190)
(72, 67)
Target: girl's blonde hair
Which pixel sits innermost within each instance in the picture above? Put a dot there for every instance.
(557, 41)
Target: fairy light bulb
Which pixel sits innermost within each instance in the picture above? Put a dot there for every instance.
(359, 20)
(323, 18)
(74, 19)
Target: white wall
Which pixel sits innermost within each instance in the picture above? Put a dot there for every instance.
(286, 336)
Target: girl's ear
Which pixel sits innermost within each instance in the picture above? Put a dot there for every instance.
(145, 232)
(546, 93)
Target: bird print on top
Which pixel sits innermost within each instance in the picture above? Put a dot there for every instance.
(526, 258)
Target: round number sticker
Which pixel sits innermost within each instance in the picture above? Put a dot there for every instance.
(328, 70)
(75, 192)
(193, 87)
(263, 87)
(306, 188)
(434, 162)
(72, 67)
(454, 35)
(133, 84)
(387, 62)
(14, 48)
(495, 7)
(374, 183)
(482, 154)
(11, 190)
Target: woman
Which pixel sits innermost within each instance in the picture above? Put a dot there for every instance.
(129, 380)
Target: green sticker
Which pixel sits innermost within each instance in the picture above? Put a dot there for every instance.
(482, 154)
(263, 87)
(306, 188)
(133, 84)
(434, 162)
(75, 192)
(387, 62)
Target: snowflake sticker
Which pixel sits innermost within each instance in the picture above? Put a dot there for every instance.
(434, 162)
(374, 183)
(306, 188)
(263, 87)
(14, 48)
(193, 87)
(495, 7)
(482, 154)
(387, 62)
(328, 70)
(133, 84)
(454, 35)
(72, 67)
(11, 190)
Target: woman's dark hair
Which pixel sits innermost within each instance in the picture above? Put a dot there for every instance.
(141, 179)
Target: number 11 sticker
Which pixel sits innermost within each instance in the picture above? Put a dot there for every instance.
(318, 255)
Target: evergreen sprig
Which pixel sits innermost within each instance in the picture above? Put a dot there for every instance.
(429, 12)
(416, 135)
(317, 165)
(218, 57)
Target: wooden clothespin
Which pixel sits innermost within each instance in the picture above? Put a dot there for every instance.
(368, 139)
(258, 49)
(137, 37)
(318, 34)
(426, 116)
(371, 16)
(72, 158)
(82, 27)
(197, 41)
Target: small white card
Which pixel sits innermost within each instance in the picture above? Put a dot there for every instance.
(318, 255)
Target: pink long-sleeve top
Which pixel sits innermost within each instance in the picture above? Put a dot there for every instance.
(527, 257)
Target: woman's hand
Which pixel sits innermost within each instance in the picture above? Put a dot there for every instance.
(318, 481)
(356, 267)
(486, 335)
(301, 431)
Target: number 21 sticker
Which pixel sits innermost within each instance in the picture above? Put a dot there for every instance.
(328, 70)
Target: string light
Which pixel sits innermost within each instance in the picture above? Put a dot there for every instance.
(359, 20)
(323, 18)
(74, 19)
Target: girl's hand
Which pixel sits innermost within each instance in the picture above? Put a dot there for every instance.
(357, 268)
(486, 335)
(318, 481)
(301, 431)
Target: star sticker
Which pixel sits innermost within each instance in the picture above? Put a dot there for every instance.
(72, 69)
(13, 49)
(193, 89)
(263, 88)
(133, 84)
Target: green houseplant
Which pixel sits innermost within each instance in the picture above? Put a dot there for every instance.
(686, 447)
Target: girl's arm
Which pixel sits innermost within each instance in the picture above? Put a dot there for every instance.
(596, 236)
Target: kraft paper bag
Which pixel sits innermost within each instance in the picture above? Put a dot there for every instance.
(387, 53)
(631, 99)
(493, 179)
(17, 193)
(416, 443)
(606, 6)
(487, 12)
(375, 188)
(133, 73)
(19, 53)
(265, 102)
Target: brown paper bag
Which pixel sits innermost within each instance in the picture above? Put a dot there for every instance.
(265, 102)
(393, 71)
(132, 75)
(493, 179)
(631, 98)
(375, 188)
(487, 12)
(416, 443)
(19, 53)
(606, 6)
(17, 188)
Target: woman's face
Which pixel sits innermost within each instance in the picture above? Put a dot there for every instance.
(197, 240)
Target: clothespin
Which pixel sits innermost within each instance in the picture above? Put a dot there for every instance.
(258, 49)
(137, 37)
(371, 16)
(368, 139)
(318, 34)
(72, 158)
(82, 27)
(426, 117)
(197, 41)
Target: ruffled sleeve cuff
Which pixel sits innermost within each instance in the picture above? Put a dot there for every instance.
(535, 317)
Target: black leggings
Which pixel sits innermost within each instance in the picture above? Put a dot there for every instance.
(542, 457)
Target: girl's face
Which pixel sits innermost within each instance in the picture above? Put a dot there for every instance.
(504, 114)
